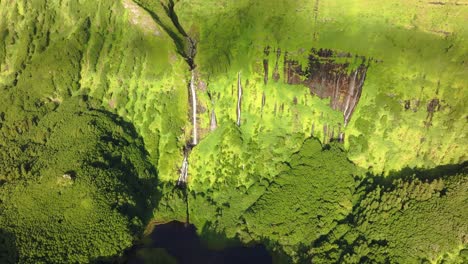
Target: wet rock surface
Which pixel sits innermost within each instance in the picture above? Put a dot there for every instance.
(328, 78)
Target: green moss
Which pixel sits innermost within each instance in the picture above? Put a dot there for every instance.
(412, 58)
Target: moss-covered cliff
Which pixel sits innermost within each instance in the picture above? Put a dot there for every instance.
(384, 83)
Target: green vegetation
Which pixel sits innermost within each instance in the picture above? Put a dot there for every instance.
(95, 107)
(419, 221)
(322, 209)
(87, 184)
(406, 221)
(305, 202)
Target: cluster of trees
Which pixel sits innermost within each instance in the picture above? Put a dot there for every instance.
(411, 221)
(86, 193)
(322, 209)
(76, 185)
(8, 252)
(317, 217)
(85, 190)
(75, 180)
(305, 202)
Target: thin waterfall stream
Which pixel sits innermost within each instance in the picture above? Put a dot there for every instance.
(193, 94)
(239, 98)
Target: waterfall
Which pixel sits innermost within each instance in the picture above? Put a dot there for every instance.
(355, 97)
(239, 98)
(194, 108)
(183, 171)
(182, 181)
(336, 93)
(351, 89)
(213, 123)
(350, 92)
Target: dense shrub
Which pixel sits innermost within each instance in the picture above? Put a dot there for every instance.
(87, 191)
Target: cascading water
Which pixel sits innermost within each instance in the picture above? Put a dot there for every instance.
(239, 99)
(194, 108)
(183, 170)
(183, 177)
(213, 122)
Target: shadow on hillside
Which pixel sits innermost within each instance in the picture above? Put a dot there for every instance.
(409, 174)
(143, 188)
(122, 154)
(8, 251)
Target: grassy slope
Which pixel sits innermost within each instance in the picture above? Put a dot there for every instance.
(131, 64)
(418, 54)
(49, 52)
(418, 51)
(135, 74)
(114, 52)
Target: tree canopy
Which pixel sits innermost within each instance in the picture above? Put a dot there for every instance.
(86, 191)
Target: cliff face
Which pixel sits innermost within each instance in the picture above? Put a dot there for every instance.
(329, 79)
(388, 81)
(240, 85)
(395, 75)
(111, 51)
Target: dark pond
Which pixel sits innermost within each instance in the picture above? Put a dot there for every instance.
(184, 245)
